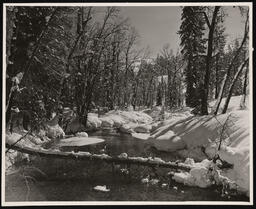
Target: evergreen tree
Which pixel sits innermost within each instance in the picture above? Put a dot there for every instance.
(192, 42)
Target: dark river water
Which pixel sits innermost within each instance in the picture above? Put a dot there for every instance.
(68, 180)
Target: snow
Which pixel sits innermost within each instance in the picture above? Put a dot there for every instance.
(143, 128)
(54, 131)
(123, 155)
(79, 141)
(106, 122)
(154, 181)
(140, 136)
(203, 175)
(239, 157)
(81, 134)
(135, 117)
(167, 142)
(145, 181)
(93, 122)
(125, 128)
(192, 133)
(234, 103)
(118, 121)
(101, 188)
(125, 121)
(14, 137)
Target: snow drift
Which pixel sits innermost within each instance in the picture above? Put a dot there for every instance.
(199, 137)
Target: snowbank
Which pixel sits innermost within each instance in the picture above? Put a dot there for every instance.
(126, 128)
(198, 176)
(169, 142)
(135, 117)
(199, 138)
(239, 158)
(143, 128)
(203, 175)
(54, 131)
(234, 104)
(106, 122)
(123, 120)
(200, 131)
(113, 116)
(81, 134)
(93, 122)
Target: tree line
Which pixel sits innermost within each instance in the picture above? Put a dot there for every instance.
(85, 57)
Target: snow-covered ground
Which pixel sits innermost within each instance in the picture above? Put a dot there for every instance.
(194, 137)
(199, 136)
(124, 121)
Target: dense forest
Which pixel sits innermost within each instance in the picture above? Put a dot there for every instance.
(69, 57)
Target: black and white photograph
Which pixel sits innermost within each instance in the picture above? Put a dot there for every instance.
(127, 103)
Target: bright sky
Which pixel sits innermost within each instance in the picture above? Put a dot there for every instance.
(159, 25)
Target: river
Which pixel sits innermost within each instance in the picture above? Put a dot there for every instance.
(75, 181)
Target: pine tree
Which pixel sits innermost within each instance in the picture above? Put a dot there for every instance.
(192, 42)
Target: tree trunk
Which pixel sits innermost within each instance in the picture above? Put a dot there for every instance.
(233, 84)
(205, 92)
(242, 103)
(216, 76)
(108, 159)
(225, 79)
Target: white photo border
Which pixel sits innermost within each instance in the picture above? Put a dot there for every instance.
(65, 203)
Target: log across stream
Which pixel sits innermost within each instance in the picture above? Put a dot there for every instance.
(72, 175)
(122, 159)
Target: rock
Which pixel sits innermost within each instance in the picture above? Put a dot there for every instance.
(143, 128)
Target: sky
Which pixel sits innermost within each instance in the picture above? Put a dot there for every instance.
(159, 25)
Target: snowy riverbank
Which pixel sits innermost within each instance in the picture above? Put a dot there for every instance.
(198, 137)
(194, 138)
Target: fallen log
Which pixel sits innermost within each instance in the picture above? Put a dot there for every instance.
(151, 162)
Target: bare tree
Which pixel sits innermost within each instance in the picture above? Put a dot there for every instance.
(205, 92)
(238, 73)
(225, 79)
(243, 98)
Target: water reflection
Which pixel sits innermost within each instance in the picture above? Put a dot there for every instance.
(69, 180)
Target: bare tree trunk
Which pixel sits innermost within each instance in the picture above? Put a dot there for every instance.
(242, 103)
(233, 84)
(224, 81)
(205, 92)
(217, 77)
(149, 89)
